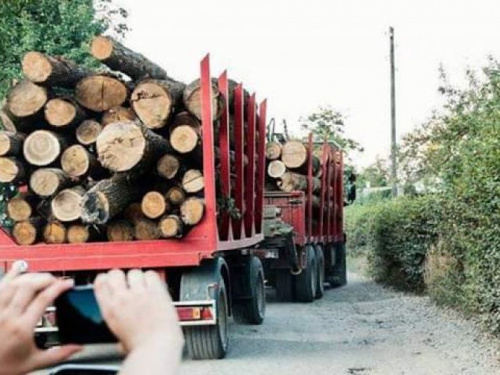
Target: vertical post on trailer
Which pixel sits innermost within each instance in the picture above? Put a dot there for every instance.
(324, 166)
(238, 149)
(334, 187)
(208, 151)
(250, 169)
(309, 186)
(340, 187)
(329, 196)
(225, 167)
(261, 167)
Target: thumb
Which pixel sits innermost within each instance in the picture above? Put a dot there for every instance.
(53, 356)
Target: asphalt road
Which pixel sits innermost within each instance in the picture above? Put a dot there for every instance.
(360, 329)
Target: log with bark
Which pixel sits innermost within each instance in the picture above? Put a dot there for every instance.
(273, 150)
(52, 71)
(146, 229)
(11, 144)
(88, 131)
(43, 147)
(193, 181)
(25, 102)
(154, 204)
(64, 113)
(289, 182)
(28, 232)
(67, 204)
(76, 161)
(21, 207)
(99, 93)
(276, 169)
(192, 210)
(153, 101)
(192, 99)
(171, 226)
(169, 166)
(294, 156)
(117, 114)
(54, 232)
(12, 170)
(79, 233)
(185, 133)
(127, 146)
(133, 212)
(45, 182)
(175, 195)
(120, 231)
(120, 58)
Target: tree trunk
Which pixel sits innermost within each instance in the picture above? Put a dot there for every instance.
(26, 100)
(120, 231)
(76, 161)
(154, 205)
(43, 147)
(11, 144)
(276, 169)
(175, 195)
(20, 207)
(273, 150)
(54, 233)
(46, 182)
(27, 232)
(185, 133)
(168, 166)
(52, 71)
(107, 199)
(88, 131)
(153, 101)
(117, 114)
(192, 210)
(67, 204)
(146, 229)
(100, 93)
(171, 226)
(193, 181)
(192, 99)
(126, 146)
(120, 58)
(293, 181)
(12, 170)
(64, 113)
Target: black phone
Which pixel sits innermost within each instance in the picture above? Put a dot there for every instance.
(79, 318)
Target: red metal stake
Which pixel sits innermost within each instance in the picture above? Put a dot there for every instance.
(250, 169)
(238, 149)
(261, 167)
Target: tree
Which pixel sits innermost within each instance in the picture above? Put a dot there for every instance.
(376, 174)
(56, 27)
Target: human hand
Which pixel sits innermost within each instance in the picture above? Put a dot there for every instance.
(139, 311)
(23, 300)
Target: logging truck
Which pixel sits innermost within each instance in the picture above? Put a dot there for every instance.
(156, 174)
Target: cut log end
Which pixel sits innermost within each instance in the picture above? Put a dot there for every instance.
(11, 170)
(273, 150)
(294, 154)
(192, 211)
(154, 205)
(67, 204)
(276, 169)
(101, 48)
(146, 229)
(46, 182)
(153, 104)
(117, 114)
(26, 232)
(19, 209)
(120, 231)
(26, 99)
(193, 181)
(100, 93)
(133, 212)
(184, 139)
(60, 112)
(54, 233)
(42, 148)
(88, 131)
(75, 161)
(175, 195)
(95, 208)
(171, 227)
(11, 143)
(168, 166)
(36, 67)
(78, 233)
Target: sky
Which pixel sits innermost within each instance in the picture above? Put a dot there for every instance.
(301, 55)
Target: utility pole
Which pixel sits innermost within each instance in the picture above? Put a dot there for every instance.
(393, 117)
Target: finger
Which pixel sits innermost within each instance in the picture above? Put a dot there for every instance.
(46, 358)
(117, 281)
(44, 299)
(28, 286)
(13, 272)
(155, 283)
(102, 293)
(7, 292)
(136, 280)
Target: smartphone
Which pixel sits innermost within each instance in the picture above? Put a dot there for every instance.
(79, 318)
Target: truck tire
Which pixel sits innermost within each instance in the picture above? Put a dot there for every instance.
(306, 281)
(339, 276)
(210, 342)
(320, 261)
(284, 285)
(252, 310)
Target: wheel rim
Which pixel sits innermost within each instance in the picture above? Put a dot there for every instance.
(223, 329)
(261, 299)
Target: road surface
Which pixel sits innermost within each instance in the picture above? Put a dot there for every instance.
(360, 329)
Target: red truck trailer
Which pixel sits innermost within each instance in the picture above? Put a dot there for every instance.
(305, 247)
(211, 272)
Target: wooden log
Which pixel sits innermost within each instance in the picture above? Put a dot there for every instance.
(11, 144)
(117, 114)
(44, 210)
(76, 161)
(153, 101)
(193, 181)
(192, 99)
(154, 204)
(52, 71)
(289, 182)
(43, 147)
(27, 232)
(175, 195)
(127, 146)
(168, 166)
(294, 154)
(276, 169)
(185, 133)
(120, 58)
(146, 229)
(54, 232)
(21, 207)
(101, 92)
(64, 113)
(171, 226)
(192, 210)
(133, 212)
(107, 199)
(79, 233)
(7, 119)
(67, 204)
(120, 231)
(88, 131)
(46, 182)
(273, 150)
(12, 170)
(27, 100)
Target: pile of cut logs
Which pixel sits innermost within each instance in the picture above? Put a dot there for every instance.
(113, 155)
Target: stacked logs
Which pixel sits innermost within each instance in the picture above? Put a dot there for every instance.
(104, 157)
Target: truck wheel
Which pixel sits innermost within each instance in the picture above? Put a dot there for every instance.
(210, 342)
(306, 281)
(339, 275)
(320, 261)
(284, 285)
(253, 309)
